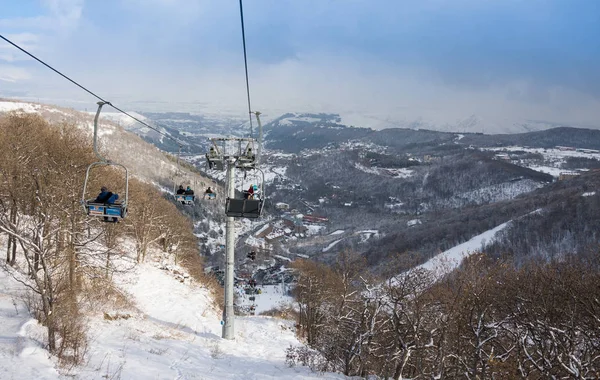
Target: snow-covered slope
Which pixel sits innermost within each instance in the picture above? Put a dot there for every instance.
(22, 355)
(450, 259)
(174, 333)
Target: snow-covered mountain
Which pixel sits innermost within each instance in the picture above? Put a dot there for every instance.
(471, 124)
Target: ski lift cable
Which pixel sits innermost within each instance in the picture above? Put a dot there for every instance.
(90, 92)
(246, 65)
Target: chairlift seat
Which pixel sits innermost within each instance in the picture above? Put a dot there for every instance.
(246, 162)
(216, 162)
(185, 199)
(117, 209)
(243, 208)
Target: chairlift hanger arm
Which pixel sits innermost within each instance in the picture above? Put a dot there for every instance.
(100, 104)
(260, 137)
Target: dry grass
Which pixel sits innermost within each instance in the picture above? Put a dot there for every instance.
(194, 264)
(281, 313)
(101, 293)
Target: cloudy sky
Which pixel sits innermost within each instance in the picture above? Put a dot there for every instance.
(440, 61)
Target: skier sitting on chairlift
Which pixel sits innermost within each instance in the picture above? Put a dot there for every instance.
(180, 190)
(189, 191)
(107, 197)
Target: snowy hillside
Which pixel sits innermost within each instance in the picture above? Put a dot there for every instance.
(170, 330)
(551, 161)
(429, 121)
(145, 161)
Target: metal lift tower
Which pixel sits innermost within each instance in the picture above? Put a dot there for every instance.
(229, 153)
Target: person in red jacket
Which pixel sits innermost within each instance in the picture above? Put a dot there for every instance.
(249, 194)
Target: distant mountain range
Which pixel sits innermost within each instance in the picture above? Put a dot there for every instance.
(419, 191)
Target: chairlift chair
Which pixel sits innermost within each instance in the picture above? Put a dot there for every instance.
(247, 157)
(215, 158)
(250, 207)
(111, 212)
(210, 194)
(185, 199)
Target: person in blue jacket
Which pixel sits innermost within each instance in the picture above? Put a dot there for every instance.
(104, 195)
(107, 197)
(113, 198)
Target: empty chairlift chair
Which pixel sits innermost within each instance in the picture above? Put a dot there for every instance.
(214, 158)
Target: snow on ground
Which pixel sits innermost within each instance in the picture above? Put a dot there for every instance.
(314, 229)
(272, 296)
(389, 172)
(262, 229)
(555, 172)
(450, 259)
(331, 245)
(588, 194)
(366, 235)
(399, 173)
(494, 193)
(282, 155)
(6, 106)
(393, 206)
(413, 222)
(174, 334)
(273, 172)
(365, 169)
(373, 232)
(553, 158)
(22, 352)
(551, 153)
(337, 232)
(288, 120)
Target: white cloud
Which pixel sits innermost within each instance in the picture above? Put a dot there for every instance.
(27, 23)
(9, 73)
(179, 12)
(28, 41)
(66, 13)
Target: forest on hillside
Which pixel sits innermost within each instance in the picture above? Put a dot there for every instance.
(68, 258)
(486, 320)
